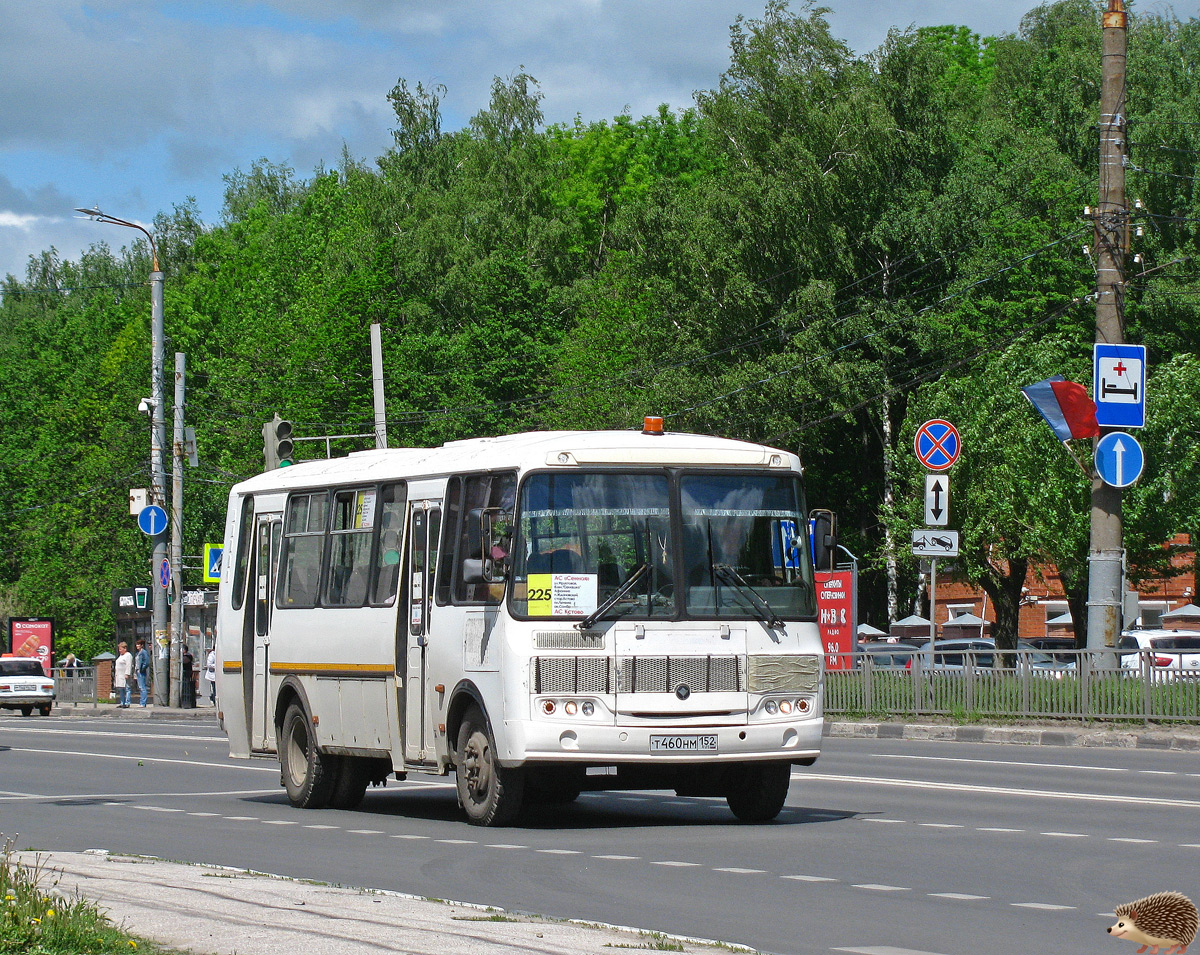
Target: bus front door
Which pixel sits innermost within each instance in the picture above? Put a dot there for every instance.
(268, 535)
(424, 521)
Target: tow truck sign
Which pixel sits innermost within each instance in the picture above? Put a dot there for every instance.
(935, 543)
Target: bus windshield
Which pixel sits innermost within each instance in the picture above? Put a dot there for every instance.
(600, 546)
(745, 546)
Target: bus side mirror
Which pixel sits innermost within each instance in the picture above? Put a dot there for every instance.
(823, 527)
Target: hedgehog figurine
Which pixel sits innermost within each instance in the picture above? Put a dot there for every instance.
(1166, 920)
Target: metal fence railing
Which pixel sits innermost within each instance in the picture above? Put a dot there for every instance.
(1019, 684)
(75, 684)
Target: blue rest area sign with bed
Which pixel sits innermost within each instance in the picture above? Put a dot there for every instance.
(1119, 385)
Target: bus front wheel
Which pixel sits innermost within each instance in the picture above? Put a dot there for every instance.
(756, 792)
(489, 793)
(308, 774)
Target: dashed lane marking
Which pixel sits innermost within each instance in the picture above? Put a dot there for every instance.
(676, 864)
(619, 858)
(958, 896)
(808, 878)
(1145, 842)
(1046, 906)
(879, 887)
(737, 871)
(1066, 835)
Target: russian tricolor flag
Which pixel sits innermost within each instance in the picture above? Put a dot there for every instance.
(1066, 407)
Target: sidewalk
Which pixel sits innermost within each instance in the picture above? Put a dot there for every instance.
(1185, 738)
(207, 909)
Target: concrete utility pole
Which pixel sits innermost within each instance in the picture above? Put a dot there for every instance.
(177, 534)
(377, 387)
(1106, 554)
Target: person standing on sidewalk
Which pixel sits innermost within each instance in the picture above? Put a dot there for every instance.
(141, 667)
(121, 674)
(210, 674)
(187, 687)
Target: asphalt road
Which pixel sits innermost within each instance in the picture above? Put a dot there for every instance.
(886, 847)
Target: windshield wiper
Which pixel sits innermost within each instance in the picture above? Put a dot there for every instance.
(591, 618)
(765, 612)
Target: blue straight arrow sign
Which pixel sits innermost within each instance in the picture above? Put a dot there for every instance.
(1119, 459)
(152, 520)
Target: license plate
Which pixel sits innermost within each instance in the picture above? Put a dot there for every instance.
(683, 744)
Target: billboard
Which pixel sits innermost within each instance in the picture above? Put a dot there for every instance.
(32, 637)
(835, 616)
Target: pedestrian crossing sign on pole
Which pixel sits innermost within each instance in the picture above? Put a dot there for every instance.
(212, 563)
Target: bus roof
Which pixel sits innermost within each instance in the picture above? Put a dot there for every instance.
(534, 449)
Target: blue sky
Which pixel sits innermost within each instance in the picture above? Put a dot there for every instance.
(135, 106)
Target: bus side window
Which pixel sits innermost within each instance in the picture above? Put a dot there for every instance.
(387, 553)
(303, 549)
(474, 493)
(245, 536)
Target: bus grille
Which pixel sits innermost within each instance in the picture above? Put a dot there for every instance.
(637, 674)
(571, 675)
(664, 674)
(569, 639)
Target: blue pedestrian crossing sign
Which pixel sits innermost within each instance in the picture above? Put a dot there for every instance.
(152, 520)
(212, 563)
(1119, 459)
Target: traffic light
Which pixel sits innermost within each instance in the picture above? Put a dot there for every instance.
(277, 443)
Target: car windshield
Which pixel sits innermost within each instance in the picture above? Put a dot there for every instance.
(1190, 643)
(21, 668)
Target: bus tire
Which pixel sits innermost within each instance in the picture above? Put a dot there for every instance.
(350, 785)
(308, 774)
(756, 792)
(489, 793)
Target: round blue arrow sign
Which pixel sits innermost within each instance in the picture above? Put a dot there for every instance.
(152, 520)
(1119, 459)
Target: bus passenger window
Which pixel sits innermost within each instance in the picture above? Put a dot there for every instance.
(387, 555)
(350, 534)
(303, 547)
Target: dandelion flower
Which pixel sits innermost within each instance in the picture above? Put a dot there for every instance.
(132, 943)
(49, 913)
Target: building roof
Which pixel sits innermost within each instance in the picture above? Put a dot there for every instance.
(911, 621)
(966, 620)
(1186, 612)
(866, 630)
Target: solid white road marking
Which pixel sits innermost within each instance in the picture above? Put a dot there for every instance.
(1003, 791)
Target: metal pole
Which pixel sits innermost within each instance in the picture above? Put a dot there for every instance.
(177, 534)
(932, 600)
(158, 442)
(1105, 554)
(377, 387)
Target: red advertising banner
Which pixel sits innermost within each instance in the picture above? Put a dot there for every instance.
(835, 615)
(32, 637)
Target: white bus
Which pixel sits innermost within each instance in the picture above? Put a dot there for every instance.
(541, 613)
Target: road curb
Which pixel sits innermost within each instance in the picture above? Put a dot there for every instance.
(134, 712)
(1181, 739)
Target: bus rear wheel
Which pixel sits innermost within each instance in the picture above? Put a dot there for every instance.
(489, 793)
(308, 774)
(351, 783)
(756, 792)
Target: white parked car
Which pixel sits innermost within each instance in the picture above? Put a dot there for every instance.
(24, 686)
(1171, 654)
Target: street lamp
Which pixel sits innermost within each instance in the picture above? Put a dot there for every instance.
(158, 437)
